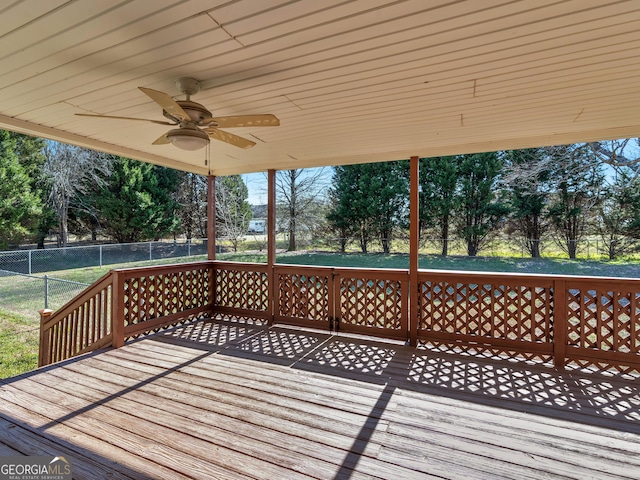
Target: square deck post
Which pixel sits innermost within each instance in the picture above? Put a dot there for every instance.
(211, 217)
(44, 353)
(414, 240)
(117, 310)
(271, 242)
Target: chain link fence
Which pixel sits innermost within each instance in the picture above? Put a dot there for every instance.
(23, 292)
(26, 294)
(52, 259)
(590, 248)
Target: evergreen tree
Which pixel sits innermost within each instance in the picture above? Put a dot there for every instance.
(369, 200)
(163, 193)
(343, 192)
(349, 214)
(388, 186)
(479, 212)
(337, 224)
(20, 207)
(30, 151)
(137, 203)
(438, 200)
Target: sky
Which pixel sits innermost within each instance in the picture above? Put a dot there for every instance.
(257, 184)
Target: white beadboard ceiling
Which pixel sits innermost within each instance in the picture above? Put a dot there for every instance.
(351, 80)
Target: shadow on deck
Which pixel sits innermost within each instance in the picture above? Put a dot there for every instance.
(612, 401)
(236, 399)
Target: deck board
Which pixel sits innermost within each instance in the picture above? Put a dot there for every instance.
(229, 400)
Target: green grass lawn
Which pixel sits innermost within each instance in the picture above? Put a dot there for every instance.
(627, 268)
(18, 344)
(462, 263)
(19, 320)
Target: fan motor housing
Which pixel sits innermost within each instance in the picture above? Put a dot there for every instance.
(196, 112)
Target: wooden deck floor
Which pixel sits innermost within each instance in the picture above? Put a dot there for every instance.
(221, 399)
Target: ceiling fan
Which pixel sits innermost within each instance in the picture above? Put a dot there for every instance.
(195, 123)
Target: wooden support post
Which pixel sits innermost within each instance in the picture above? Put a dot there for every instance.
(414, 241)
(211, 217)
(117, 311)
(211, 238)
(44, 353)
(559, 323)
(271, 242)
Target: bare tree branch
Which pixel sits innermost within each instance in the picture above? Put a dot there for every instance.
(72, 171)
(612, 152)
(298, 192)
(232, 213)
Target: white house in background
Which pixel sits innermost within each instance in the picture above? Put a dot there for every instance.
(257, 225)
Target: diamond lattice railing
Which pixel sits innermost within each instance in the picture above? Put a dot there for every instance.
(371, 302)
(242, 289)
(304, 296)
(489, 309)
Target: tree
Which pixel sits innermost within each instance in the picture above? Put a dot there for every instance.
(163, 192)
(577, 180)
(137, 203)
(527, 180)
(20, 207)
(299, 194)
(233, 211)
(349, 214)
(479, 213)
(343, 217)
(369, 200)
(618, 153)
(30, 152)
(71, 172)
(338, 224)
(618, 213)
(438, 200)
(192, 204)
(388, 184)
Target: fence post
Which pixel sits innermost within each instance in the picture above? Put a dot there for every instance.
(188, 247)
(44, 354)
(100, 256)
(150, 250)
(29, 251)
(559, 323)
(46, 291)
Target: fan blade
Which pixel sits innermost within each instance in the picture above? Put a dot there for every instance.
(159, 122)
(163, 140)
(266, 120)
(229, 138)
(167, 103)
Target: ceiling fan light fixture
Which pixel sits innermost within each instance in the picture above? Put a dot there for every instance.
(196, 124)
(188, 139)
